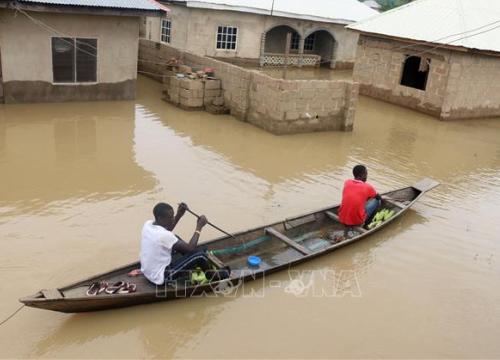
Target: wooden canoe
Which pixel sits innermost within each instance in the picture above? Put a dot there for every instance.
(279, 245)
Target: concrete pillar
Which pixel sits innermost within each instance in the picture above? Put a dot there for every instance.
(301, 51)
(262, 48)
(334, 54)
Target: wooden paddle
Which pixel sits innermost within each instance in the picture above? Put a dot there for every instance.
(212, 225)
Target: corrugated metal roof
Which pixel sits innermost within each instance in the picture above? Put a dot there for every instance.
(473, 24)
(113, 4)
(336, 11)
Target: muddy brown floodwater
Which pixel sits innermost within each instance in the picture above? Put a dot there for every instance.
(77, 181)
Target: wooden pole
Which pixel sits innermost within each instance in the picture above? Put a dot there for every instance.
(287, 53)
(209, 223)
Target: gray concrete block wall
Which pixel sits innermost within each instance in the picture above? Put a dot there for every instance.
(379, 66)
(473, 87)
(279, 106)
(293, 106)
(460, 84)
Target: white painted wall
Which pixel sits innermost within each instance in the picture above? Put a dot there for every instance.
(195, 30)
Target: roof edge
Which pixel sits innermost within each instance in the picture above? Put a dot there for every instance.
(79, 9)
(383, 14)
(248, 9)
(435, 46)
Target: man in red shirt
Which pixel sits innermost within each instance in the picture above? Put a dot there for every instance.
(359, 199)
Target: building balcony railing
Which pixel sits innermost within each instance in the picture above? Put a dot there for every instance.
(271, 59)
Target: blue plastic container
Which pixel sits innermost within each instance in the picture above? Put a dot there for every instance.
(254, 261)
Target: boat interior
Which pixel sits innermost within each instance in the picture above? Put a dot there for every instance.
(295, 238)
(276, 245)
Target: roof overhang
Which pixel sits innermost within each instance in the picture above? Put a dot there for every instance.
(253, 10)
(433, 46)
(203, 5)
(77, 9)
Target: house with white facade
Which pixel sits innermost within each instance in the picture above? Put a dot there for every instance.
(255, 31)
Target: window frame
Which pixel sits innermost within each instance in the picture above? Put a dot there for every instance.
(74, 62)
(169, 30)
(427, 73)
(235, 41)
(295, 41)
(312, 43)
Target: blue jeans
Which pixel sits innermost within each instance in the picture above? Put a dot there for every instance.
(370, 207)
(183, 265)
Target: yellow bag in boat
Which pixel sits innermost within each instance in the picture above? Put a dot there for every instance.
(380, 217)
(198, 277)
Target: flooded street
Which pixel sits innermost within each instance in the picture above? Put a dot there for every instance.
(78, 180)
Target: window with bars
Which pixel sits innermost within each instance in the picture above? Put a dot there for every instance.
(74, 60)
(294, 45)
(309, 42)
(166, 28)
(227, 37)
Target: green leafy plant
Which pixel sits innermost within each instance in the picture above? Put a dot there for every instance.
(391, 4)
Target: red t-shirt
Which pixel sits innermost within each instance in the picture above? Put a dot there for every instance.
(354, 197)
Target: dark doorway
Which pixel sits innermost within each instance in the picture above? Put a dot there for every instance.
(1, 79)
(321, 43)
(276, 40)
(415, 72)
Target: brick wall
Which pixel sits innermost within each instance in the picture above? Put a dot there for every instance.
(278, 106)
(473, 87)
(379, 66)
(460, 85)
(290, 106)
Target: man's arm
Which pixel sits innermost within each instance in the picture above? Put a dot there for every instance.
(185, 248)
(372, 193)
(181, 210)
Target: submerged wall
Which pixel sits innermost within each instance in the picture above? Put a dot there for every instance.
(378, 69)
(459, 85)
(473, 88)
(279, 106)
(26, 56)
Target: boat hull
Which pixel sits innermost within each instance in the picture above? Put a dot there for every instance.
(72, 298)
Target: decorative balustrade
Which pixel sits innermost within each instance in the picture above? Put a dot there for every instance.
(270, 59)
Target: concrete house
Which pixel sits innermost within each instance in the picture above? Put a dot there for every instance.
(255, 31)
(62, 50)
(441, 57)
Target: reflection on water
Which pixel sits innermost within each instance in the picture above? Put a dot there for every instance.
(53, 153)
(78, 180)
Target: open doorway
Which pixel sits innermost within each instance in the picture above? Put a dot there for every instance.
(321, 43)
(1, 79)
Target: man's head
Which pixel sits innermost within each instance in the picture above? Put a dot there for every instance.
(164, 215)
(360, 173)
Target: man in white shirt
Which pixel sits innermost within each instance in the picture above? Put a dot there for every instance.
(158, 242)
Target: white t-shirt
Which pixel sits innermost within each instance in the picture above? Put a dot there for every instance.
(156, 251)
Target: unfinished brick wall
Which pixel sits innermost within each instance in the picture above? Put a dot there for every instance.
(278, 106)
(379, 66)
(153, 58)
(286, 106)
(460, 85)
(195, 94)
(473, 87)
